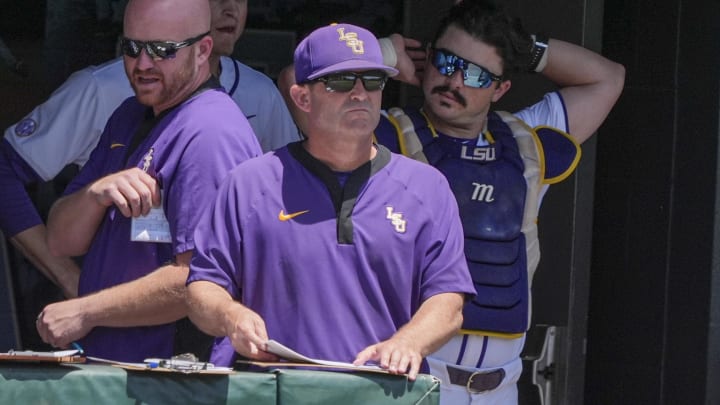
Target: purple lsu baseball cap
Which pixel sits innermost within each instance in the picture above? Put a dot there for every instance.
(338, 48)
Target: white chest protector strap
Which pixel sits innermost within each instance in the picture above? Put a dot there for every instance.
(532, 155)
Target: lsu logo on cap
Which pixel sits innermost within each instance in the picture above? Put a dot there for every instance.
(26, 127)
(352, 41)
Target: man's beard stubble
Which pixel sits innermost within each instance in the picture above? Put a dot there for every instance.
(170, 88)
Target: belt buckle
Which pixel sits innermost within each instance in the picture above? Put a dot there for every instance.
(470, 381)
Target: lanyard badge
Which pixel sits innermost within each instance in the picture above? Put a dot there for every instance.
(153, 227)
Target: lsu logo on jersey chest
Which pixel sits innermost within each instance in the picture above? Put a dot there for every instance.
(397, 219)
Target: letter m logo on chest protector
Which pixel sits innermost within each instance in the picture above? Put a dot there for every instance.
(483, 192)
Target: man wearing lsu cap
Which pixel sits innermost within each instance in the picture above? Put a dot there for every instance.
(331, 245)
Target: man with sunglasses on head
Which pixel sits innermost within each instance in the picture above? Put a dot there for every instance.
(65, 129)
(499, 166)
(133, 207)
(331, 245)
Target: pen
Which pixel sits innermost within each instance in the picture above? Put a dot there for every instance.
(78, 348)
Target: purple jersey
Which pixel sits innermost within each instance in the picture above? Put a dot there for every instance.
(192, 148)
(331, 270)
(15, 216)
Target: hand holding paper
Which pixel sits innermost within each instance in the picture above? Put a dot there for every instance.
(289, 354)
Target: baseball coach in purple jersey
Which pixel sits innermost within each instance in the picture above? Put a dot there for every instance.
(332, 245)
(65, 129)
(134, 206)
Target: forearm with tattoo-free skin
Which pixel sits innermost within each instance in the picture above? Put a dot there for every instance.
(215, 312)
(434, 323)
(60, 270)
(74, 219)
(157, 298)
(21, 223)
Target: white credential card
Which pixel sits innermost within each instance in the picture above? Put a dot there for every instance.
(153, 227)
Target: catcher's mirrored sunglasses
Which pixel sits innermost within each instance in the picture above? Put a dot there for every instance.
(345, 81)
(157, 50)
(474, 75)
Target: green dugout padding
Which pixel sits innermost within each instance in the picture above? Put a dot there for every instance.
(298, 387)
(49, 384)
(102, 384)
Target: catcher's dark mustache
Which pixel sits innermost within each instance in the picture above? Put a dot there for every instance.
(455, 93)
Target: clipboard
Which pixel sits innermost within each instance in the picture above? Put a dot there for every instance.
(30, 356)
(146, 368)
(168, 366)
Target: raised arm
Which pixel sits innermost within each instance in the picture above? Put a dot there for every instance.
(590, 85)
(406, 55)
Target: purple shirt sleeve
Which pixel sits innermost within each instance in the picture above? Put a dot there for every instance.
(17, 211)
(209, 152)
(218, 228)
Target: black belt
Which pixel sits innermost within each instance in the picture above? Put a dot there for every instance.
(476, 381)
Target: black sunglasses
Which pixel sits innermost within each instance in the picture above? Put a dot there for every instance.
(345, 81)
(157, 50)
(474, 75)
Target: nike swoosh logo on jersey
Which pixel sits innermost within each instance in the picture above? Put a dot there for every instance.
(286, 217)
(117, 145)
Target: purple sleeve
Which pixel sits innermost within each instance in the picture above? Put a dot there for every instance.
(207, 158)
(218, 231)
(17, 211)
(103, 159)
(87, 175)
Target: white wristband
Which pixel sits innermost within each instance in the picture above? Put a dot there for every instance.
(543, 62)
(388, 52)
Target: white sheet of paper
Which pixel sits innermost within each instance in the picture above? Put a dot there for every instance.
(289, 354)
